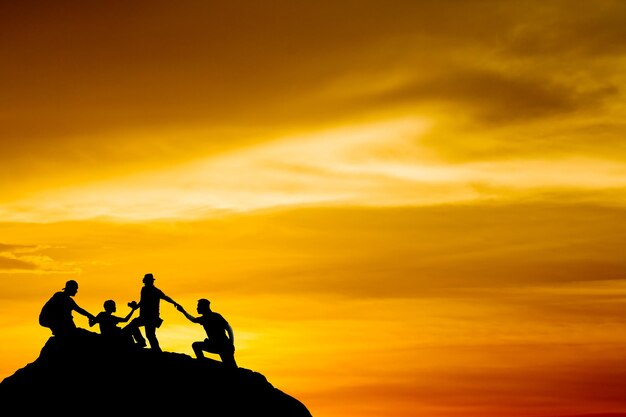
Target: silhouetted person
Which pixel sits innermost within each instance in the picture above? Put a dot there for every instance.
(149, 314)
(108, 323)
(221, 338)
(56, 313)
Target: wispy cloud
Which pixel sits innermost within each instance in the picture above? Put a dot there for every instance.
(374, 164)
(31, 259)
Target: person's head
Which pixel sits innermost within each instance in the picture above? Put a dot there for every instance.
(109, 306)
(71, 287)
(148, 279)
(204, 306)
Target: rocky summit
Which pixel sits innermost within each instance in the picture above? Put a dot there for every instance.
(88, 375)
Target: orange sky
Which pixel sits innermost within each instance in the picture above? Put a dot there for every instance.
(404, 208)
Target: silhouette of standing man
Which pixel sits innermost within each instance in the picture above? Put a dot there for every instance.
(149, 314)
(220, 337)
(56, 313)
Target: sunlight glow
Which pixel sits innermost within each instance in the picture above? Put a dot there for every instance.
(341, 166)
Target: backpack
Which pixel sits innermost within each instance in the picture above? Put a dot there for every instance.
(48, 313)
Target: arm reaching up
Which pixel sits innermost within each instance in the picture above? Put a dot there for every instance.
(189, 316)
(133, 306)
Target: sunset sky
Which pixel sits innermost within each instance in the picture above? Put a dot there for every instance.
(403, 208)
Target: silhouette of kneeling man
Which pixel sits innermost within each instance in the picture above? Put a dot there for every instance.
(220, 340)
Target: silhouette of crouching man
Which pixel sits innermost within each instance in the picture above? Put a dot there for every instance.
(56, 313)
(221, 338)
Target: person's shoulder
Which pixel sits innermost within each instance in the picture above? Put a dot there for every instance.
(63, 297)
(217, 315)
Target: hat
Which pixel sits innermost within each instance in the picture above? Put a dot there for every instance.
(148, 277)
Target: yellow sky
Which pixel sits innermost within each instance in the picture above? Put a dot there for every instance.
(403, 207)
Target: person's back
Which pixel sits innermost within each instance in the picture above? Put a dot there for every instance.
(150, 302)
(215, 326)
(107, 323)
(57, 313)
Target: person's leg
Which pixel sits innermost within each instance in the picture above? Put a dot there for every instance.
(126, 336)
(228, 359)
(132, 328)
(151, 336)
(63, 329)
(227, 354)
(136, 336)
(198, 349)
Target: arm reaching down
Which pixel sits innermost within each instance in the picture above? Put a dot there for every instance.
(82, 311)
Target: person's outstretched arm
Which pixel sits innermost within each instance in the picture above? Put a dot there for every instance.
(129, 315)
(189, 316)
(82, 311)
(170, 300)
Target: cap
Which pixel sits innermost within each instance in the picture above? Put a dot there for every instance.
(71, 285)
(148, 277)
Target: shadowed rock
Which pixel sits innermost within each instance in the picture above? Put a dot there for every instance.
(88, 376)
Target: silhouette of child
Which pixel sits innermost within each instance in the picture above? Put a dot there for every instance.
(108, 322)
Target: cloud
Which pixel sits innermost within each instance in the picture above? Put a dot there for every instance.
(554, 31)
(375, 164)
(499, 97)
(12, 265)
(491, 251)
(30, 259)
(501, 253)
(248, 69)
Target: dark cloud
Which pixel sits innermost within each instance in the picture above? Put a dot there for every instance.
(4, 247)
(556, 31)
(27, 258)
(10, 264)
(495, 98)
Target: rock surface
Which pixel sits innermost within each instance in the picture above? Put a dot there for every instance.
(89, 376)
